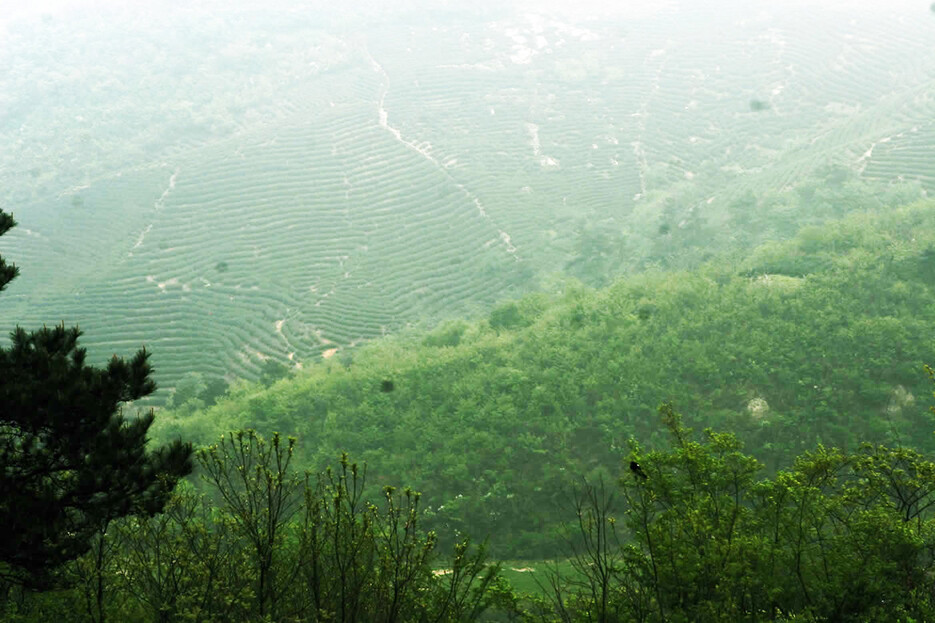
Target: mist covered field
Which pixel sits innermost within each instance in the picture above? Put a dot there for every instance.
(228, 184)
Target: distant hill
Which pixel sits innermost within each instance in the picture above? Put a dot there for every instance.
(231, 186)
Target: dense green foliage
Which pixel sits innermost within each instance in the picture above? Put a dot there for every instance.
(270, 545)
(838, 536)
(803, 345)
(692, 532)
(70, 462)
(818, 340)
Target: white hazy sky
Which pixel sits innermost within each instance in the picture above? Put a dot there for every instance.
(13, 8)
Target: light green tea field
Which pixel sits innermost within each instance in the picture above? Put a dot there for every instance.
(232, 187)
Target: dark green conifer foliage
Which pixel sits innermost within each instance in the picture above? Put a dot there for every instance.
(7, 271)
(70, 462)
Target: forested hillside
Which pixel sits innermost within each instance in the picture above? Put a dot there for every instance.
(821, 339)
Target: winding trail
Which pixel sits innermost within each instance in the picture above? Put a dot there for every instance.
(639, 152)
(383, 115)
(158, 205)
(290, 348)
(161, 202)
(867, 156)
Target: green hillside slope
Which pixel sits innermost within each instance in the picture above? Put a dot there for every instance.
(821, 339)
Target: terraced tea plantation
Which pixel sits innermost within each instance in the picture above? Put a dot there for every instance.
(228, 186)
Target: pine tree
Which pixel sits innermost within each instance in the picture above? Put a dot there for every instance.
(7, 272)
(70, 461)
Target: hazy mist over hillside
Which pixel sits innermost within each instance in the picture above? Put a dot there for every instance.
(283, 182)
(409, 311)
